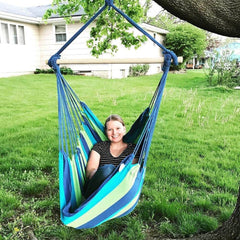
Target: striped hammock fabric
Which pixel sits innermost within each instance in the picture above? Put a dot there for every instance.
(79, 130)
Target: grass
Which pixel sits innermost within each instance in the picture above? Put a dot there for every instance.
(192, 177)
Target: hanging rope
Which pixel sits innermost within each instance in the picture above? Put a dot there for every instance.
(108, 3)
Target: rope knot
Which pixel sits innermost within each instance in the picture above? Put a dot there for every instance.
(52, 62)
(174, 58)
(109, 3)
(168, 57)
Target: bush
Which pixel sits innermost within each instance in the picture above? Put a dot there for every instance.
(38, 71)
(64, 70)
(138, 70)
(223, 71)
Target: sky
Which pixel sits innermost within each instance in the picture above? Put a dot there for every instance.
(27, 3)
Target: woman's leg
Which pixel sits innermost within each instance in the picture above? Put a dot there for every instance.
(101, 174)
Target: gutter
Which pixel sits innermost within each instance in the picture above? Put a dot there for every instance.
(32, 20)
(19, 18)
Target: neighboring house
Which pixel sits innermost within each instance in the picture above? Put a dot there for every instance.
(27, 42)
(231, 49)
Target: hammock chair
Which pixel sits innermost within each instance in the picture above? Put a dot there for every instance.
(80, 129)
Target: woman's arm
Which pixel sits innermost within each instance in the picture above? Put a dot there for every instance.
(135, 160)
(93, 164)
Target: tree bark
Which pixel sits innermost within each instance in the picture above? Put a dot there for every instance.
(217, 16)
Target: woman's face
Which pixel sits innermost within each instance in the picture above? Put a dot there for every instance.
(115, 131)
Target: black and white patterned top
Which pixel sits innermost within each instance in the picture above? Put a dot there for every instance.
(103, 148)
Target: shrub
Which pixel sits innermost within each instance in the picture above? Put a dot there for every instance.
(138, 70)
(223, 71)
(38, 71)
(64, 70)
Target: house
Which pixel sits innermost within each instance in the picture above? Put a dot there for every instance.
(231, 49)
(27, 42)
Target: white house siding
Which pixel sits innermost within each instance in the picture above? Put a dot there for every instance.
(79, 50)
(40, 45)
(19, 59)
(49, 46)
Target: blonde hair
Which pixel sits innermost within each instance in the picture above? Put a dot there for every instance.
(113, 117)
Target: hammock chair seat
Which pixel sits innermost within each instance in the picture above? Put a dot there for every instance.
(80, 129)
(121, 191)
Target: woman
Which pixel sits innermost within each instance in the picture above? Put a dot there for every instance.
(106, 156)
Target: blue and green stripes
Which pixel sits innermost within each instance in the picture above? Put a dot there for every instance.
(80, 129)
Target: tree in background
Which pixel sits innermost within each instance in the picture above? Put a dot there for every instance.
(186, 41)
(183, 38)
(162, 19)
(109, 26)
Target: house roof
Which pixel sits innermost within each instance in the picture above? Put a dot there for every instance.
(154, 28)
(11, 12)
(10, 9)
(35, 14)
(39, 11)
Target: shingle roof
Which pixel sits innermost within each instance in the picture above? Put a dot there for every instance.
(39, 10)
(10, 9)
(33, 12)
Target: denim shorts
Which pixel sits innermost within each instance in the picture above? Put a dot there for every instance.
(97, 179)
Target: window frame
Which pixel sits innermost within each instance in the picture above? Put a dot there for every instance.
(62, 33)
(21, 35)
(13, 34)
(5, 38)
(155, 37)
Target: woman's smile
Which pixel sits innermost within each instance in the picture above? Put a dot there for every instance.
(115, 131)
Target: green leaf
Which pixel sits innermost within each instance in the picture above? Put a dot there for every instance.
(108, 26)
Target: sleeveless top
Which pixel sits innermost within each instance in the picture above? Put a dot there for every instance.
(103, 148)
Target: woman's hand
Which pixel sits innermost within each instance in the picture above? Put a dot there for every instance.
(135, 160)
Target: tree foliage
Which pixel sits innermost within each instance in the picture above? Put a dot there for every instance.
(186, 41)
(162, 19)
(108, 27)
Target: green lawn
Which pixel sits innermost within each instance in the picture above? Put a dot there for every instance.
(192, 177)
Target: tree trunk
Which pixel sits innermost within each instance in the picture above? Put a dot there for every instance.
(218, 16)
(230, 230)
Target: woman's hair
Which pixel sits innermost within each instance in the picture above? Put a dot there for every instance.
(113, 117)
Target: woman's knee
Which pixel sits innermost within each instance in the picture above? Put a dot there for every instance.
(105, 170)
(98, 178)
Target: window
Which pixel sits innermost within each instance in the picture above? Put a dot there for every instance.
(4, 33)
(60, 33)
(21, 35)
(11, 33)
(154, 36)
